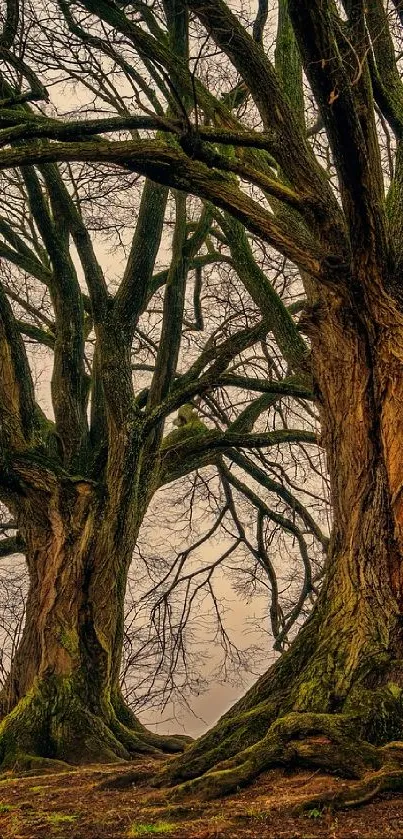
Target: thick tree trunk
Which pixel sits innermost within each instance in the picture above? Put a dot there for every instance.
(62, 700)
(334, 699)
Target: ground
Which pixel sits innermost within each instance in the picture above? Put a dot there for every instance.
(74, 805)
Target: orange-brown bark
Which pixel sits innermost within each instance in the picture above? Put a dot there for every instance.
(62, 699)
(342, 676)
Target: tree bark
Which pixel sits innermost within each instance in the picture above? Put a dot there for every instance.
(62, 700)
(334, 699)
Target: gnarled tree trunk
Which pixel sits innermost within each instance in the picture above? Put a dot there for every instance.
(334, 699)
(62, 700)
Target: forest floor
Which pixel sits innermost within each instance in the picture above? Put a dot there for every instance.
(72, 805)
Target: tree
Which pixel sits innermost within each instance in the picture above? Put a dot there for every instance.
(341, 678)
(126, 352)
(340, 224)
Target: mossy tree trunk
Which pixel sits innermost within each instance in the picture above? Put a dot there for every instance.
(339, 688)
(62, 698)
(78, 486)
(78, 489)
(334, 699)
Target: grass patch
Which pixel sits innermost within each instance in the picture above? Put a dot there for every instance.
(151, 829)
(60, 818)
(5, 808)
(315, 813)
(255, 813)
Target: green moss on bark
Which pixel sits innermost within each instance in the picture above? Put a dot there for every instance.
(52, 725)
(294, 716)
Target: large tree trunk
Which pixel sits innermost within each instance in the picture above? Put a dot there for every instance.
(62, 700)
(335, 697)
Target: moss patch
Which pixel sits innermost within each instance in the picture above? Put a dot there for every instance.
(60, 818)
(156, 829)
(39, 789)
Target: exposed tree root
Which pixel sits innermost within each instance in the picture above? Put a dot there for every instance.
(321, 741)
(127, 721)
(48, 726)
(357, 795)
(22, 763)
(125, 780)
(141, 741)
(227, 739)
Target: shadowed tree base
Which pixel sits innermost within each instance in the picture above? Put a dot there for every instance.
(52, 727)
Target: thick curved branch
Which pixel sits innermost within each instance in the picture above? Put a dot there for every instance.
(346, 108)
(69, 389)
(287, 61)
(292, 151)
(18, 125)
(387, 84)
(287, 387)
(171, 167)
(40, 336)
(178, 459)
(28, 125)
(133, 291)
